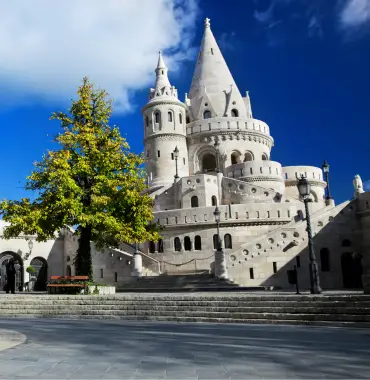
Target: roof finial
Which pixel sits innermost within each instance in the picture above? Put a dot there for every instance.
(207, 23)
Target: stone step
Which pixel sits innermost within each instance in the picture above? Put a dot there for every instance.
(208, 309)
(191, 314)
(196, 297)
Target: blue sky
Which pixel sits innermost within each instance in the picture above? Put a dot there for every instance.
(306, 64)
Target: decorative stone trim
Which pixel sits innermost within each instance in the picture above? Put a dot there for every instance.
(163, 102)
(260, 179)
(165, 136)
(229, 223)
(289, 183)
(250, 135)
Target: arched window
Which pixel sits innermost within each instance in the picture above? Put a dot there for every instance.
(187, 243)
(187, 119)
(151, 247)
(157, 117)
(207, 114)
(194, 201)
(234, 113)
(170, 116)
(228, 241)
(160, 246)
(346, 243)
(214, 200)
(197, 243)
(215, 241)
(264, 157)
(69, 271)
(235, 158)
(248, 156)
(209, 163)
(180, 118)
(325, 260)
(147, 121)
(177, 244)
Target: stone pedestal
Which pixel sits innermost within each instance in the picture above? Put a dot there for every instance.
(138, 266)
(220, 265)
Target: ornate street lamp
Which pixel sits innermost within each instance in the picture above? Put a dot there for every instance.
(176, 155)
(217, 147)
(220, 261)
(30, 246)
(304, 189)
(325, 169)
(217, 215)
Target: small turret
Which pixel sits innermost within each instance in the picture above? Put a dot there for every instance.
(164, 130)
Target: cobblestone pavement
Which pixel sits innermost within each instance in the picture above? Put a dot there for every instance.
(87, 349)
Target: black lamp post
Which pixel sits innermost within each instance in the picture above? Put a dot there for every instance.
(176, 155)
(217, 147)
(217, 215)
(325, 169)
(304, 189)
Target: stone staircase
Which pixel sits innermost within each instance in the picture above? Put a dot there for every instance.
(180, 283)
(333, 310)
(270, 247)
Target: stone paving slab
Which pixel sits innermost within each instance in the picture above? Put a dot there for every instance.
(9, 338)
(88, 349)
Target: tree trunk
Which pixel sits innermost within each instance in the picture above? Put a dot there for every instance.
(83, 260)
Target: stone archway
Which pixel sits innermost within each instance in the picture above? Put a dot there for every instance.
(41, 273)
(4, 259)
(351, 270)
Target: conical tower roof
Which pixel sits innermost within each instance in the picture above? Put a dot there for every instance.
(212, 76)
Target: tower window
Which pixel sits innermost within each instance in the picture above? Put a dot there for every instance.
(177, 244)
(274, 266)
(214, 200)
(264, 157)
(170, 116)
(187, 243)
(147, 121)
(148, 153)
(172, 156)
(184, 160)
(207, 114)
(157, 117)
(180, 118)
(211, 51)
(251, 274)
(162, 72)
(228, 241)
(159, 153)
(234, 113)
(187, 119)
(194, 201)
(248, 156)
(198, 243)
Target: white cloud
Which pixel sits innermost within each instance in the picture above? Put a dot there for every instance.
(354, 14)
(48, 46)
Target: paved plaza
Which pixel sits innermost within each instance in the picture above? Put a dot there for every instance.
(87, 349)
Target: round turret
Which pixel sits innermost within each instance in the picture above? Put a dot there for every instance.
(164, 130)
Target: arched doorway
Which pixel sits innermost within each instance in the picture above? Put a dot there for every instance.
(4, 259)
(41, 273)
(351, 270)
(208, 163)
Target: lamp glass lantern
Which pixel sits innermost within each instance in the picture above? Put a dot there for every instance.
(217, 215)
(325, 167)
(176, 152)
(30, 244)
(304, 187)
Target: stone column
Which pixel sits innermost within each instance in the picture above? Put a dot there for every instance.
(220, 263)
(138, 265)
(219, 185)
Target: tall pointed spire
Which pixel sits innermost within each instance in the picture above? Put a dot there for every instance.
(212, 76)
(162, 73)
(162, 84)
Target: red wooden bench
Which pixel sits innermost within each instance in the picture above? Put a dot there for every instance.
(69, 278)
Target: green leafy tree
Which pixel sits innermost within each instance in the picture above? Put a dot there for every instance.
(93, 182)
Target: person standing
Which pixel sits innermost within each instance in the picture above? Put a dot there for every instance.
(10, 276)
